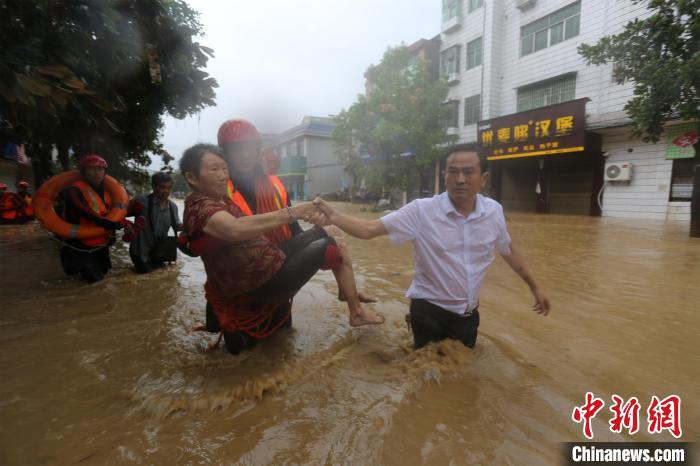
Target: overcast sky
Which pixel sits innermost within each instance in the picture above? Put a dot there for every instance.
(278, 60)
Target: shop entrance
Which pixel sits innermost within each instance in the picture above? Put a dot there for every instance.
(557, 184)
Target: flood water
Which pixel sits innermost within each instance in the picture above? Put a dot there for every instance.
(107, 374)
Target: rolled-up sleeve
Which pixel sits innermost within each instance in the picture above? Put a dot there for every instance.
(403, 224)
(503, 238)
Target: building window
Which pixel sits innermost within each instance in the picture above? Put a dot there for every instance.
(450, 9)
(616, 69)
(293, 148)
(475, 4)
(451, 116)
(550, 30)
(472, 109)
(474, 53)
(449, 61)
(682, 179)
(550, 92)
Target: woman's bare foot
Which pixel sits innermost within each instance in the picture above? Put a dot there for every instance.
(365, 317)
(364, 298)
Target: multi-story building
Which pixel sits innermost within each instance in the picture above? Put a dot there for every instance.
(553, 127)
(308, 162)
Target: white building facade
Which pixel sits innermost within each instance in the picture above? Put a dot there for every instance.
(509, 62)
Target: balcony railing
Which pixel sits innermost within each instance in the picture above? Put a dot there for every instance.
(292, 165)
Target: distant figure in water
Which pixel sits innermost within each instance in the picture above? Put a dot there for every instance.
(455, 236)
(254, 265)
(10, 205)
(27, 212)
(155, 215)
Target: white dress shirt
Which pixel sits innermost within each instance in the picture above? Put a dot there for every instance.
(452, 253)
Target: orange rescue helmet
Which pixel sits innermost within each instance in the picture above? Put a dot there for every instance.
(92, 160)
(237, 130)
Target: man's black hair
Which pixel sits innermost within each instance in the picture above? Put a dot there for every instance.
(469, 147)
(191, 161)
(161, 178)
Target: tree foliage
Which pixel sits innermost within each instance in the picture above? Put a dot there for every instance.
(660, 55)
(99, 75)
(402, 113)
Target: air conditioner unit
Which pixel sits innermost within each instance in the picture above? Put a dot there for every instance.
(524, 4)
(452, 131)
(618, 171)
(453, 78)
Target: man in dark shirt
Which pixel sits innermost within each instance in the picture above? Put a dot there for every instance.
(155, 215)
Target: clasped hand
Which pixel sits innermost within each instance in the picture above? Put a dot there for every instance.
(317, 212)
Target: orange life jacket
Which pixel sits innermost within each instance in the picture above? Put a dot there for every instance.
(280, 202)
(97, 205)
(9, 206)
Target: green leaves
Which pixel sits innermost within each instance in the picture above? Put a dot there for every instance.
(660, 55)
(401, 114)
(76, 73)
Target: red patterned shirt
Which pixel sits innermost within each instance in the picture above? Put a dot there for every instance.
(238, 267)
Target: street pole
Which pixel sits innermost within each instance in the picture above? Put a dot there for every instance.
(695, 197)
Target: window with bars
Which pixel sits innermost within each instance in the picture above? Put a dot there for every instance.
(475, 4)
(474, 53)
(451, 115)
(472, 109)
(682, 180)
(550, 30)
(550, 92)
(450, 9)
(449, 61)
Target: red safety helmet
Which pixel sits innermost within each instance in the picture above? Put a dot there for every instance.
(237, 131)
(92, 160)
(3, 186)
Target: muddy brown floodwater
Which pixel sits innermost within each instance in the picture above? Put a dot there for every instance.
(107, 374)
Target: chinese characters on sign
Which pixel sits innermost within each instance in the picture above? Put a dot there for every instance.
(661, 415)
(555, 129)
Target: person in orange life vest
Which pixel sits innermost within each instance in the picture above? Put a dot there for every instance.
(252, 278)
(10, 205)
(23, 193)
(247, 169)
(254, 184)
(86, 202)
(270, 162)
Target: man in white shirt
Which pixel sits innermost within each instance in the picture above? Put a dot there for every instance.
(455, 237)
